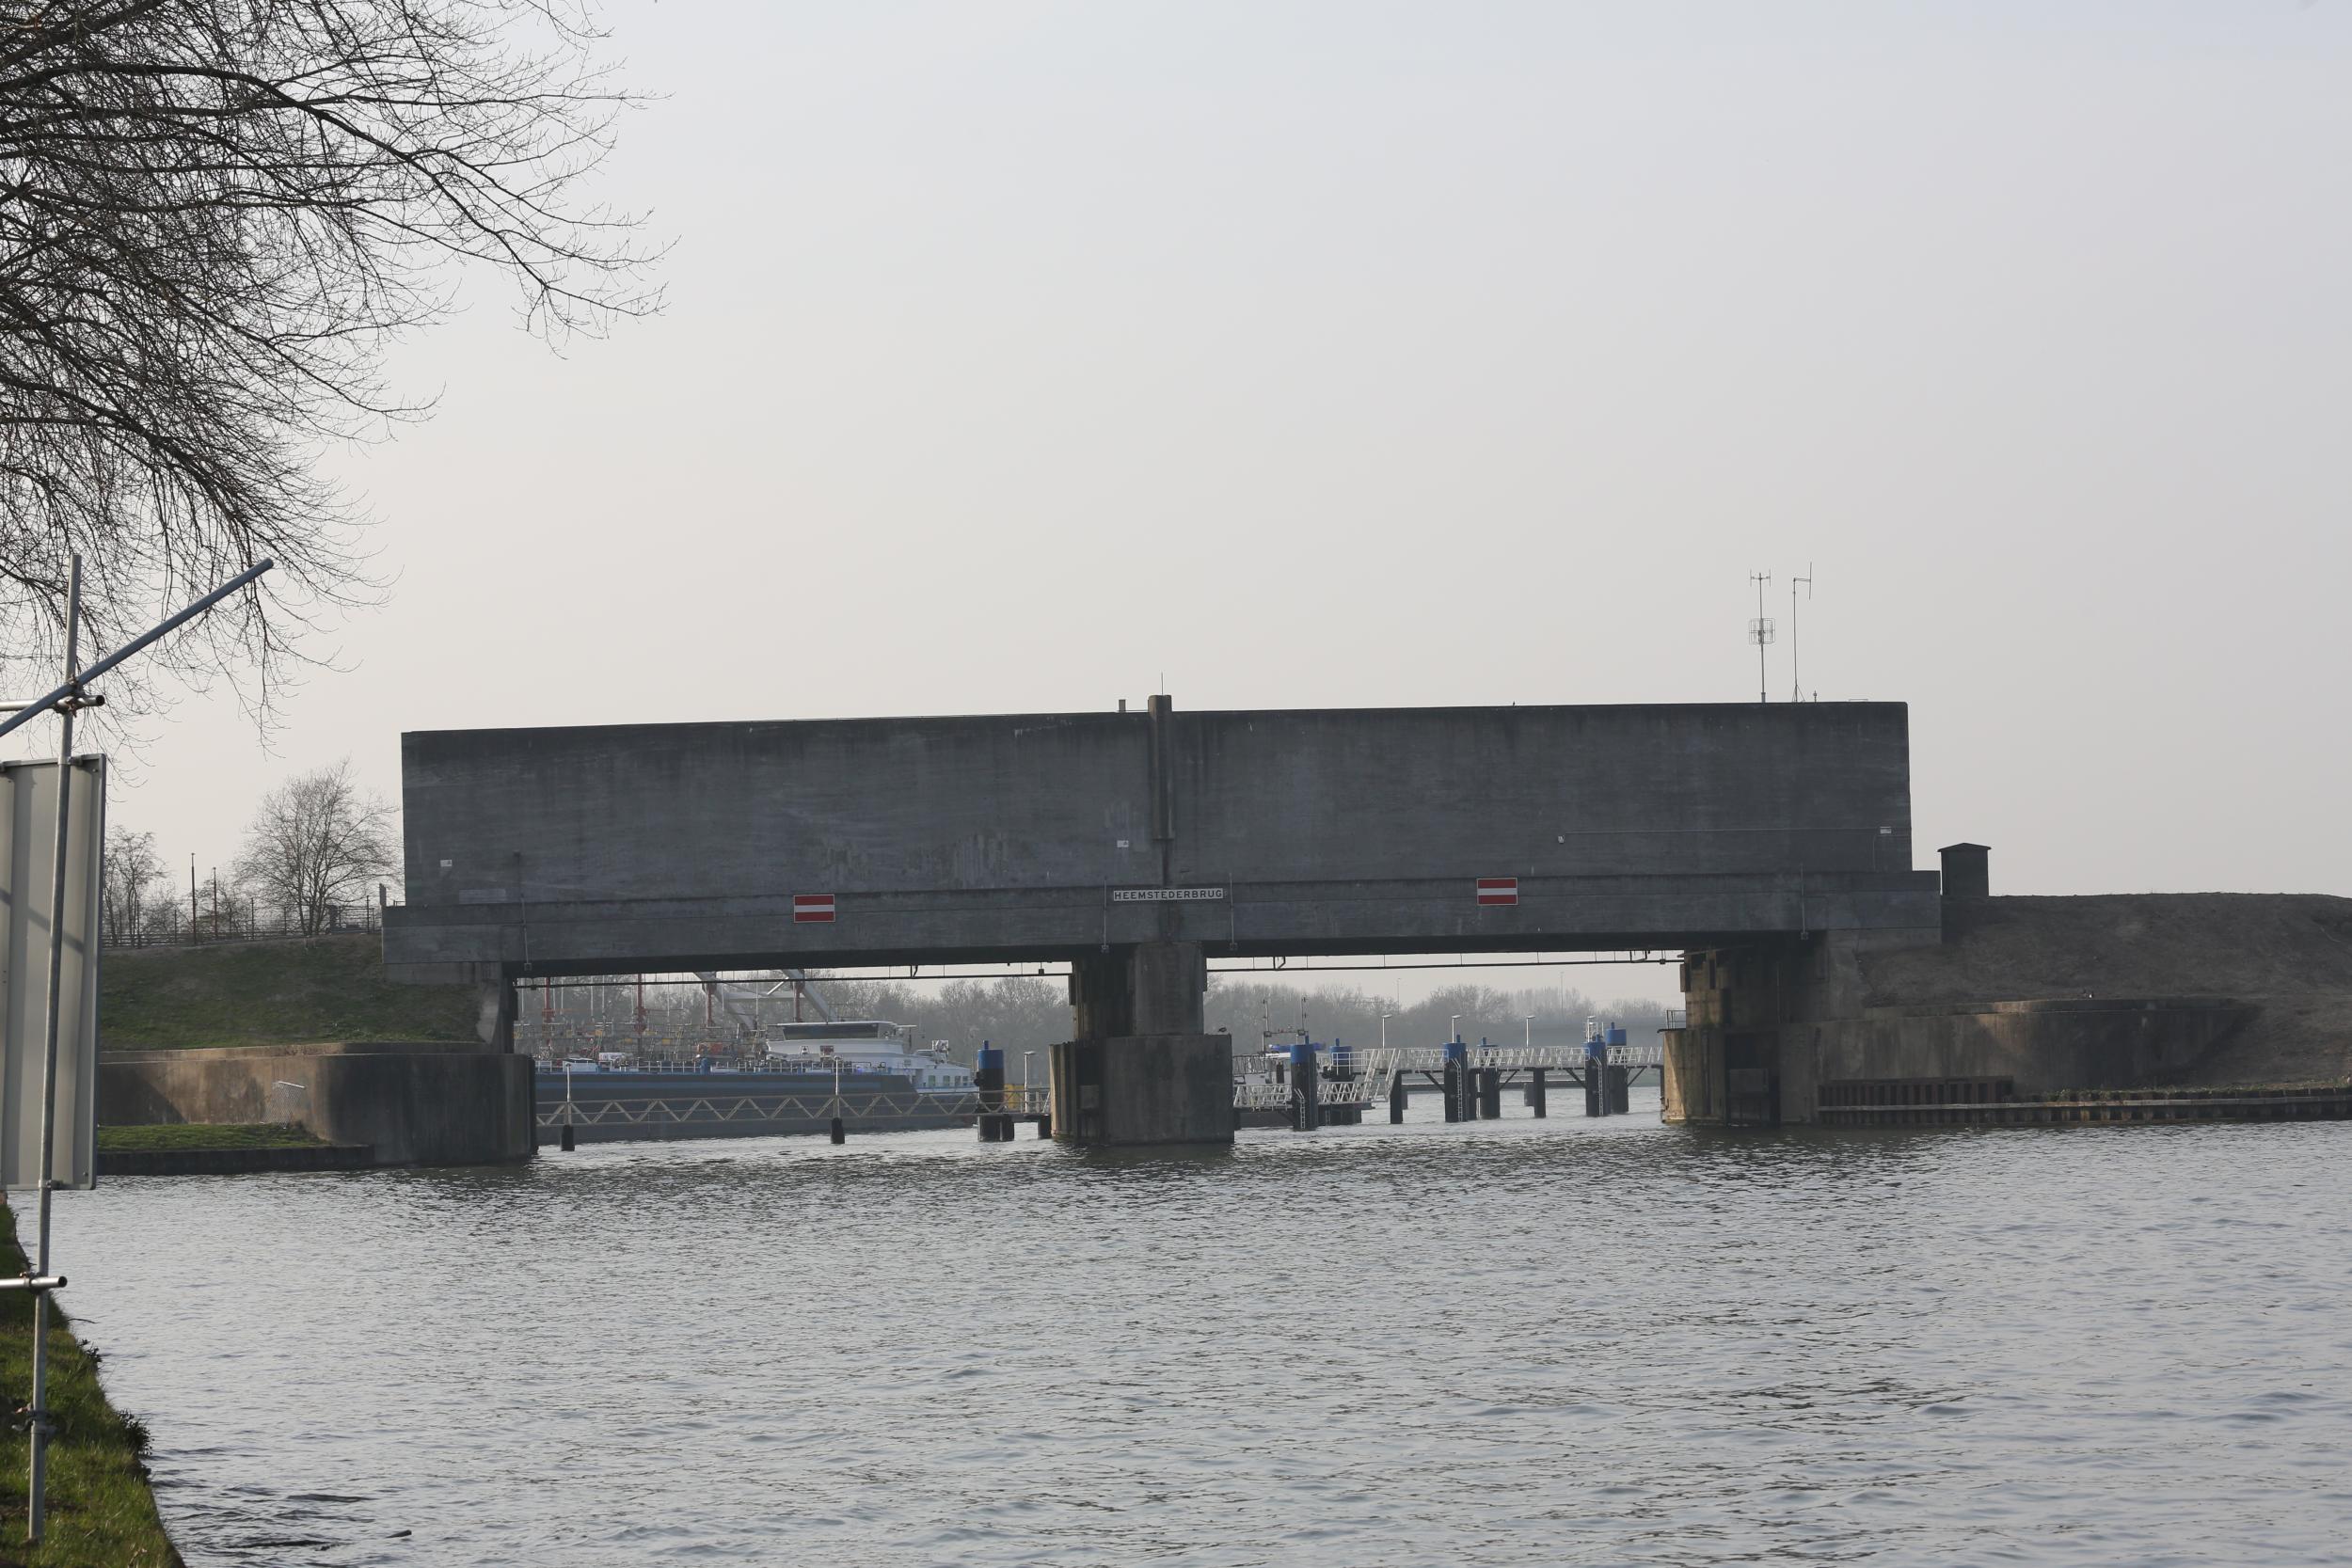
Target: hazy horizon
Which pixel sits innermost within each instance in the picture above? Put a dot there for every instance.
(1020, 358)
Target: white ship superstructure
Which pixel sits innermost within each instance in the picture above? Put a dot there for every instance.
(867, 1046)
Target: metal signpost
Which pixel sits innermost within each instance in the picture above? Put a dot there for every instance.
(30, 1153)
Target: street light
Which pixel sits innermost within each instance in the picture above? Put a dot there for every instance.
(1384, 1029)
(1453, 1027)
(1531, 1031)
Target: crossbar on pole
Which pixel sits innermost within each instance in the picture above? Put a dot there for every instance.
(42, 705)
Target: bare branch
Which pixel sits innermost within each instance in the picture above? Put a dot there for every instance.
(215, 216)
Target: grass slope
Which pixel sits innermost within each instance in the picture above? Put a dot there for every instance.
(174, 1137)
(101, 1513)
(270, 993)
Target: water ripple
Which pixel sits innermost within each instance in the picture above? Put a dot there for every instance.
(1514, 1344)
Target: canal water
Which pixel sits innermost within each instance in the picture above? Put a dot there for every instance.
(1516, 1343)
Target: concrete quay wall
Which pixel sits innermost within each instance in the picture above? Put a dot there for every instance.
(412, 1104)
(1770, 1026)
(2040, 1046)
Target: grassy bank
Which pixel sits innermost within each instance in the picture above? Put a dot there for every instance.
(270, 993)
(170, 1137)
(101, 1513)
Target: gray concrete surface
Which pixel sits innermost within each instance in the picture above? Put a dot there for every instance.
(1770, 1023)
(414, 1104)
(1143, 1090)
(1042, 836)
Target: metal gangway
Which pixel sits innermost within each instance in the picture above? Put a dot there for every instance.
(731, 1100)
(1370, 1078)
(1372, 1073)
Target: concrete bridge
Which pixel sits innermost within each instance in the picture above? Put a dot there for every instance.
(1133, 846)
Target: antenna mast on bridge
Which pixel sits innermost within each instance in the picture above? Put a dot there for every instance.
(1760, 631)
(1796, 688)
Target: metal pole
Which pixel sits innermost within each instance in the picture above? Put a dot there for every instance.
(1796, 687)
(35, 1513)
(42, 705)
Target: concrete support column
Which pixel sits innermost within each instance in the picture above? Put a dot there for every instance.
(1142, 1069)
(1151, 988)
(1728, 1067)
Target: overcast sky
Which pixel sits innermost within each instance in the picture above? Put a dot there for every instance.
(1351, 354)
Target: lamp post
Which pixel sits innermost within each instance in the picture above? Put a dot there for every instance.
(1531, 1031)
(1384, 1029)
(1453, 1027)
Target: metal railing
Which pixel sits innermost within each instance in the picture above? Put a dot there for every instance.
(354, 920)
(812, 1106)
(1375, 1070)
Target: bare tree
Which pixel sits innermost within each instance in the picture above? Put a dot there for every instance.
(134, 887)
(214, 216)
(316, 845)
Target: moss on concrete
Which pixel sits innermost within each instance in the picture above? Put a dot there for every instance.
(101, 1513)
(177, 1136)
(294, 993)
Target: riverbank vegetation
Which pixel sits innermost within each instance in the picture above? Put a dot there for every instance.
(270, 993)
(100, 1513)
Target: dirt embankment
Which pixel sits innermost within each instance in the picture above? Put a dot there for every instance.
(2289, 955)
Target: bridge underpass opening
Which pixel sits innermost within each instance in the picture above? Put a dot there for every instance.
(1134, 848)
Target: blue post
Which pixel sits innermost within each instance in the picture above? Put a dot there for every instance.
(1306, 1103)
(988, 1077)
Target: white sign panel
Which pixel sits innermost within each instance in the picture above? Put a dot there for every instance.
(28, 837)
(1164, 894)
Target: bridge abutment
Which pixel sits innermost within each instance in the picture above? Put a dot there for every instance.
(1765, 1018)
(1142, 1069)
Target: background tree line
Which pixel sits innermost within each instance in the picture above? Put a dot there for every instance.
(1029, 1012)
(313, 855)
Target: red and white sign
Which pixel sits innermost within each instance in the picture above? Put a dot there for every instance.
(1498, 890)
(814, 906)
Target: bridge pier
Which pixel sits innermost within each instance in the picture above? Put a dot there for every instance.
(1143, 1069)
(1759, 1017)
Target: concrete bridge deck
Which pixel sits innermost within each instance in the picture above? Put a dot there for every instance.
(1053, 837)
(1133, 846)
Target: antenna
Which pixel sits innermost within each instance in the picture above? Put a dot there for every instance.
(1796, 689)
(1760, 631)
